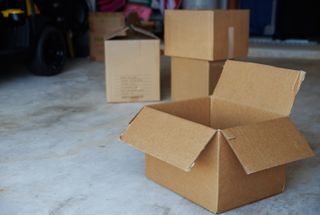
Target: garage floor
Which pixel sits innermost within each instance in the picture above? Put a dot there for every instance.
(60, 151)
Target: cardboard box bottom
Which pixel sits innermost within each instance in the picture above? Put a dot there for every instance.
(217, 185)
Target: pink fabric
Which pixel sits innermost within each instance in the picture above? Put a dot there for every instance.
(111, 5)
(142, 11)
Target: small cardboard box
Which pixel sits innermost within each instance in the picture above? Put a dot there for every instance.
(229, 149)
(102, 24)
(132, 63)
(191, 78)
(207, 35)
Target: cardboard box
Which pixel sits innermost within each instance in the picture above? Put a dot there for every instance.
(106, 22)
(191, 78)
(229, 149)
(132, 65)
(207, 35)
(102, 24)
(96, 41)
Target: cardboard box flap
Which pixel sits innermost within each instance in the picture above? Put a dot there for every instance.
(144, 32)
(120, 32)
(169, 138)
(265, 145)
(264, 87)
(129, 31)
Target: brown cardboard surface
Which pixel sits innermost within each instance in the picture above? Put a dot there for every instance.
(191, 78)
(225, 114)
(195, 110)
(96, 41)
(217, 173)
(132, 68)
(237, 188)
(264, 87)
(189, 34)
(215, 71)
(244, 161)
(200, 185)
(102, 22)
(121, 32)
(131, 32)
(232, 33)
(206, 35)
(143, 31)
(169, 138)
(264, 145)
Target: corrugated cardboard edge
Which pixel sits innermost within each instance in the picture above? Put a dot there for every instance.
(218, 133)
(129, 123)
(299, 81)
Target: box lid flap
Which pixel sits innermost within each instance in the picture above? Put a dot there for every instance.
(265, 145)
(169, 138)
(264, 87)
(129, 31)
(120, 32)
(142, 31)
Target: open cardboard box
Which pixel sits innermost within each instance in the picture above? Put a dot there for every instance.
(229, 149)
(132, 64)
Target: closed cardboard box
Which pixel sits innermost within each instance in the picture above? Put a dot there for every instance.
(191, 78)
(102, 24)
(207, 35)
(228, 149)
(132, 63)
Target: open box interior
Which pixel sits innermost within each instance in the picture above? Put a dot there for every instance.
(246, 93)
(216, 113)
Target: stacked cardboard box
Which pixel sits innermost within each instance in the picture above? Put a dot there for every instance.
(199, 42)
(101, 25)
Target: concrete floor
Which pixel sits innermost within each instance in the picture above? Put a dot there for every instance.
(60, 151)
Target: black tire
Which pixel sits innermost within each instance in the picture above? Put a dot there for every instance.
(79, 18)
(50, 53)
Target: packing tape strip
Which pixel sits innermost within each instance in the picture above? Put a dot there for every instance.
(231, 42)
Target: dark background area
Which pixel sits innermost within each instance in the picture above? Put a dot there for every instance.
(292, 19)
